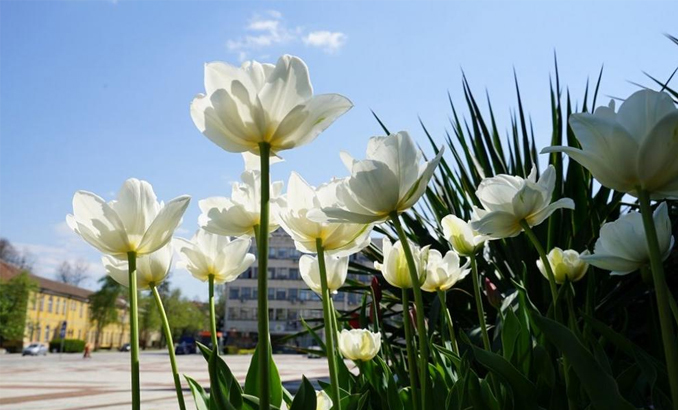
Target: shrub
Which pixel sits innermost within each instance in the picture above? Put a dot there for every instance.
(70, 345)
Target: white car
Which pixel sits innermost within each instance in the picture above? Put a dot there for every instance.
(35, 349)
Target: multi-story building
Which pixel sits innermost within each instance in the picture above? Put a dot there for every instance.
(289, 299)
(53, 303)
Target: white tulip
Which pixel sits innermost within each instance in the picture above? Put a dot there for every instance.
(239, 214)
(336, 268)
(508, 200)
(207, 254)
(391, 179)
(301, 200)
(256, 103)
(634, 147)
(566, 265)
(443, 272)
(359, 344)
(395, 269)
(152, 268)
(322, 400)
(464, 239)
(622, 246)
(134, 222)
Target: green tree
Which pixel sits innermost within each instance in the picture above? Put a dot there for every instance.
(186, 316)
(103, 305)
(149, 319)
(14, 295)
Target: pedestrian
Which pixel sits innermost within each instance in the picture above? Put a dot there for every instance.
(88, 349)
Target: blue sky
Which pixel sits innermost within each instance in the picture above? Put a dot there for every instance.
(92, 93)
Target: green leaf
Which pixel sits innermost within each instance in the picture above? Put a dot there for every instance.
(225, 393)
(200, 396)
(524, 391)
(305, 399)
(598, 384)
(253, 380)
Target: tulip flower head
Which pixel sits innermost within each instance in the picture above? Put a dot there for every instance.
(507, 200)
(464, 240)
(239, 214)
(134, 222)
(622, 246)
(633, 148)
(257, 103)
(336, 267)
(443, 272)
(395, 269)
(322, 400)
(302, 200)
(566, 265)
(391, 179)
(207, 254)
(152, 268)
(359, 344)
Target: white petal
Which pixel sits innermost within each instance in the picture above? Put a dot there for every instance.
(287, 86)
(229, 135)
(657, 164)
(162, 228)
(498, 225)
(539, 217)
(643, 110)
(98, 224)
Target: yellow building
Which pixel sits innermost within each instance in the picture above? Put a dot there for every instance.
(54, 303)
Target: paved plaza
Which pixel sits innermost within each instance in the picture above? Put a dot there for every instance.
(103, 382)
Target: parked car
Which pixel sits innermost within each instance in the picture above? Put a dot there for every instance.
(125, 347)
(186, 348)
(35, 349)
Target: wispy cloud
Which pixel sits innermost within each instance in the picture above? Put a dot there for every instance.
(68, 247)
(269, 29)
(328, 41)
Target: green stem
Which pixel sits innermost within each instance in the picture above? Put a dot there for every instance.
(544, 260)
(264, 341)
(170, 346)
(134, 329)
(566, 366)
(330, 331)
(419, 303)
(411, 356)
(662, 295)
(446, 317)
(213, 316)
(479, 303)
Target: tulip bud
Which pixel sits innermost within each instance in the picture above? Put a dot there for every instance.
(493, 294)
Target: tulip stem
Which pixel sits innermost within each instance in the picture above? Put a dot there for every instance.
(264, 340)
(419, 304)
(213, 316)
(479, 303)
(544, 260)
(411, 356)
(134, 329)
(662, 295)
(170, 346)
(330, 331)
(442, 295)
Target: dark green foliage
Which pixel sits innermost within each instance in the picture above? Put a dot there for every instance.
(70, 345)
(14, 295)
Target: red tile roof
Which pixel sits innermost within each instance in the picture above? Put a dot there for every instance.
(8, 271)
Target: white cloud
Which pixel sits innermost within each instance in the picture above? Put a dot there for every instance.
(270, 30)
(328, 41)
(68, 247)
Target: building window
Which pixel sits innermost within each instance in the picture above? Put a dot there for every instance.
(292, 294)
(233, 313)
(34, 303)
(246, 293)
(73, 304)
(79, 333)
(50, 304)
(282, 253)
(292, 314)
(64, 307)
(255, 270)
(271, 293)
(47, 334)
(294, 274)
(234, 293)
(81, 306)
(271, 253)
(271, 273)
(280, 294)
(305, 294)
(58, 305)
(37, 333)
